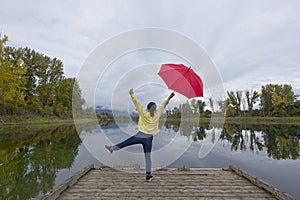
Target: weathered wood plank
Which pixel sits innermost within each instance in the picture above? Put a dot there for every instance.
(262, 184)
(170, 194)
(167, 184)
(171, 171)
(165, 198)
(174, 187)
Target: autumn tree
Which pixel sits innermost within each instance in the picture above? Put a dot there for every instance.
(34, 82)
(276, 98)
(12, 82)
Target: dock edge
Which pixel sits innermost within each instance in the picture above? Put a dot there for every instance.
(56, 192)
(262, 184)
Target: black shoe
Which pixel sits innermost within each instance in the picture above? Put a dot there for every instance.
(109, 148)
(149, 178)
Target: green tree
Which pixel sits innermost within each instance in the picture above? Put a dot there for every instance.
(235, 100)
(28, 58)
(276, 98)
(201, 105)
(77, 100)
(12, 82)
(50, 74)
(294, 109)
(63, 102)
(36, 82)
(229, 111)
(252, 98)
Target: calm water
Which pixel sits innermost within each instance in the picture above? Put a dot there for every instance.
(33, 160)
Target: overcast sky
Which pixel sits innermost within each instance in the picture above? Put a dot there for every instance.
(252, 42)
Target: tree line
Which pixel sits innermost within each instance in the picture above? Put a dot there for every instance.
(274, 100)
(33, 83)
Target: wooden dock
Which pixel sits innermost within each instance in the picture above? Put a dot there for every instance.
(108, 183)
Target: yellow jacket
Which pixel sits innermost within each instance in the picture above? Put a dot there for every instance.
(148, 124)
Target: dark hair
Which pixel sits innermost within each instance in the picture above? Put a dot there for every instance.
(151, 107)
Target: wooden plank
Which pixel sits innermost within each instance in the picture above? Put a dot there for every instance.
(163, 198)
(170, 194)
(54, 194)
(262, 184)
(175, 187)
(167, 184)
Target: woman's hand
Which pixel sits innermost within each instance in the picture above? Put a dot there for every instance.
(131, 92)
(171, 95)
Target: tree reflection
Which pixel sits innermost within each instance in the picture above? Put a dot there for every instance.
(200, 133)
(242, 137)
(31, 158)
(279, 141)
(282, 141)
(189, 129)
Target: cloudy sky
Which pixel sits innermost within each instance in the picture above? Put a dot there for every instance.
(252, 42)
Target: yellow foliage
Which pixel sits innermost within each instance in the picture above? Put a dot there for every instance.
(12, 81)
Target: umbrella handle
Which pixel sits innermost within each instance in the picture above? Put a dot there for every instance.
(171, 95)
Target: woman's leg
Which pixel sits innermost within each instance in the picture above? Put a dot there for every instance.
(130, 141)
(147, 146)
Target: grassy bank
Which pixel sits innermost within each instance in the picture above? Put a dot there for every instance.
(31, 119)
(263, 120)
(10, 120)
(256, 120)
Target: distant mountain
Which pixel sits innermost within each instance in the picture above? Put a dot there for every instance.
(101, 109)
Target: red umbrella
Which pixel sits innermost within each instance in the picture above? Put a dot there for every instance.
(182, 79)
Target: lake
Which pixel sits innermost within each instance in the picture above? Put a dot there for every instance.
(35, 159)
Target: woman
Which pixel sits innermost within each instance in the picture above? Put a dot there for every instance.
(147, 126)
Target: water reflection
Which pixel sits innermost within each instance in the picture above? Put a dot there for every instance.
(31, 156)
(279, 141)
(188, 129)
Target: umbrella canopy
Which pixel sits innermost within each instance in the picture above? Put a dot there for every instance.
(182, 79)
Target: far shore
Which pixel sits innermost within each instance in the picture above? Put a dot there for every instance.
(25, 120)
(36, 120)
(258, 120)
(245, 120)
